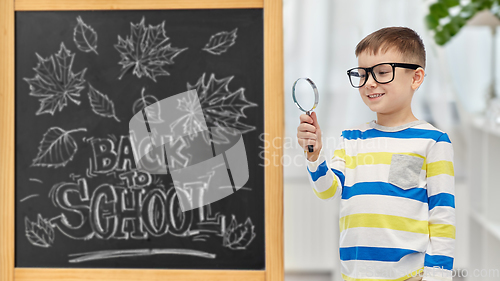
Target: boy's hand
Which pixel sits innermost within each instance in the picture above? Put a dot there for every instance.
(308, 133)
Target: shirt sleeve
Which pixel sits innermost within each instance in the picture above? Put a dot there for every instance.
(327, 178)
(438, 261)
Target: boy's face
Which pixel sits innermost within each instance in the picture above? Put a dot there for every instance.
(396, 95)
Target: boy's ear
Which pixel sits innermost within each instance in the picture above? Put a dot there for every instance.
(418, 78)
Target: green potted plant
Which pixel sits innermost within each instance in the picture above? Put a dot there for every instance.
(447, 17)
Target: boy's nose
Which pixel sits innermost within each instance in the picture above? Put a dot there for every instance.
(370, 83)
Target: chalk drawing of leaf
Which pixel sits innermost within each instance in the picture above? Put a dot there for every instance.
(192, 122)
(146, 51)
(153, 113)
(40, 233)
(57, 148)
(101, 104)
(239, 236)
(220, 107)
(220, 42)
(55, 82)
(85, 37)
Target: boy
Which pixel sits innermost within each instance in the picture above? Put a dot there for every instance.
(394, 175)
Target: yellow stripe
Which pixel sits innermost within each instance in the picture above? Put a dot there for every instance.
(329, 192)
(442, 230)
(439, 168)
(371, 158)
(383, 221)
(339, 153)
(414, 273)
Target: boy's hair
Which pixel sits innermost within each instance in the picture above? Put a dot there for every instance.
(402, 39)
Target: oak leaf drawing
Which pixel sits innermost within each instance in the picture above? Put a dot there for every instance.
(56, 148)
(39, 233)
(101, 104)
(146, 50)
(85, 37)
(55, 82)
(239, 236)
(220, 42)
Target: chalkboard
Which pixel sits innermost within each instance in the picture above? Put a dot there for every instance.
(80, 77)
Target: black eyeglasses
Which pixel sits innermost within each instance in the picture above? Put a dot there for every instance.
(382, 73)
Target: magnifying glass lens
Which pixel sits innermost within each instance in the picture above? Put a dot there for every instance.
(304, 94)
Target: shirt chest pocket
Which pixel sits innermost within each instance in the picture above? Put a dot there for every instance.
(405, 170)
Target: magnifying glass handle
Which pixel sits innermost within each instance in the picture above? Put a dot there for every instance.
(310, 147)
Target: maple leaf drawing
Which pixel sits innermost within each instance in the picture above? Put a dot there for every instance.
(57, 148)
(146, 51)
(238, 236)
(192, 122)
(40, 233)
(55, 82)
(220, 108)
(220, 42)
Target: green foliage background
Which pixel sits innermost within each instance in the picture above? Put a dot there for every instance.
(447, 17)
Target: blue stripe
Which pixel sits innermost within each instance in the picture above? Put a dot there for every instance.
(340, 175)
(444, 262)
(383, 188)
(441, 199)
(410, 133)
(320, 171)
(373, 253)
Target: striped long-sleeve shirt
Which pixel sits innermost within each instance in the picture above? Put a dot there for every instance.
(397, 207)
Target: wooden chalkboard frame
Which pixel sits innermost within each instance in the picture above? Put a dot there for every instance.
(273, 128)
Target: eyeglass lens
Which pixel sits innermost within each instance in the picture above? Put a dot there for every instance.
(383, 74)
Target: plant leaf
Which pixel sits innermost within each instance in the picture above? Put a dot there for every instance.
(220, 42)
(39, 233)
(438, 10)
(153, 113)
(450, 3)
(468, 11)
(85, 37)
(452, 28)
(239, 236)
(458, 21)
(101, 104)
(57, 148)
(431, 22)
(55, 82)
(146, 51)
(442, 36)
(220, 108)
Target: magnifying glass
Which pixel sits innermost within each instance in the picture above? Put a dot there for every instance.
(302, 93)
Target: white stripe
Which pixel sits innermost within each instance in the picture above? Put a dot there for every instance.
(375, 173)
(383, 270)
(313, 166)
(442, 215)
(367, 173)
(442, 246)
(383, 237)
(386, 205)
(440, 151)
(324, 182)
(443, 183)
(385, 144)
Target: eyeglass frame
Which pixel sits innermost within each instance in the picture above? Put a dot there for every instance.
(370, 70)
